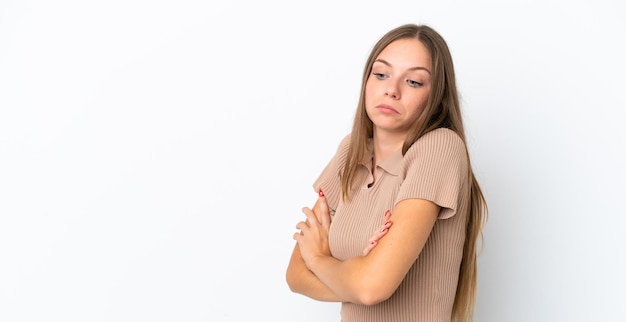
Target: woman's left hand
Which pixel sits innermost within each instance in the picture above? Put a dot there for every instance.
(378, 234)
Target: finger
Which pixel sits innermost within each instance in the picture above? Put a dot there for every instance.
(383, 228)
(298, 234)
(302, 225)
(387, 215)
(369, 247)
(317, 210)
(324, 210)
(378, 234)
(311, 218)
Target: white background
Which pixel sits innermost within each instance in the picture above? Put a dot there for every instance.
(155, 155)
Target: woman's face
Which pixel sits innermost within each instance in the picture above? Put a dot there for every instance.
(397, 90)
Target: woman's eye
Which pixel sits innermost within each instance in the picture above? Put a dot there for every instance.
(380, 75)
(414, 83)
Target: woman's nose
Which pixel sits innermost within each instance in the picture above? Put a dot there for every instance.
(392, 91)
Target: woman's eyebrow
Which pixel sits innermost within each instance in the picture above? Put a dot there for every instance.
(412, 68)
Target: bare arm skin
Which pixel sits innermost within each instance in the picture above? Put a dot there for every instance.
(302, 280)
(373, 278)
(299, 278)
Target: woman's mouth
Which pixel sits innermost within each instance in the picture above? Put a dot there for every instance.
(386, 109)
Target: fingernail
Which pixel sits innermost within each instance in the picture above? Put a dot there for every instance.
(387, 223)
(373, 242)
(387, 213)
(321, 193)
(383, 230)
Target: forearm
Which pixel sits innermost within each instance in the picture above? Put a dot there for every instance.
(351, 280)
(375, 277)
(301, 280)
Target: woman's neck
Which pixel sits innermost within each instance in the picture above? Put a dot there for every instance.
(386, 144)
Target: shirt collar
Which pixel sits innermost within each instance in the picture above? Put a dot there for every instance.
(391, 164)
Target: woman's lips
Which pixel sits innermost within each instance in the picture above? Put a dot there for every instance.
(386, 109)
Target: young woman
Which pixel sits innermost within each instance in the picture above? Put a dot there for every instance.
(406, 159)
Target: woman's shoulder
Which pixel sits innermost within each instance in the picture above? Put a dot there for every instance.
(442, 139)
(344, 145)
(345, 141)
(442, 133)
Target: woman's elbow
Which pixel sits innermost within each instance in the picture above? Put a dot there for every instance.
(291, 280)
(294, 280)
(372, 295)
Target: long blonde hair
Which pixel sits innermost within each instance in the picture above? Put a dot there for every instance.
(442, 110)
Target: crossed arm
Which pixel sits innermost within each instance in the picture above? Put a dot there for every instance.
(367, 279)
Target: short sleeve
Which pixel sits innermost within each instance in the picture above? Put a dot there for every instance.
(330, 178)
(436, 169)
